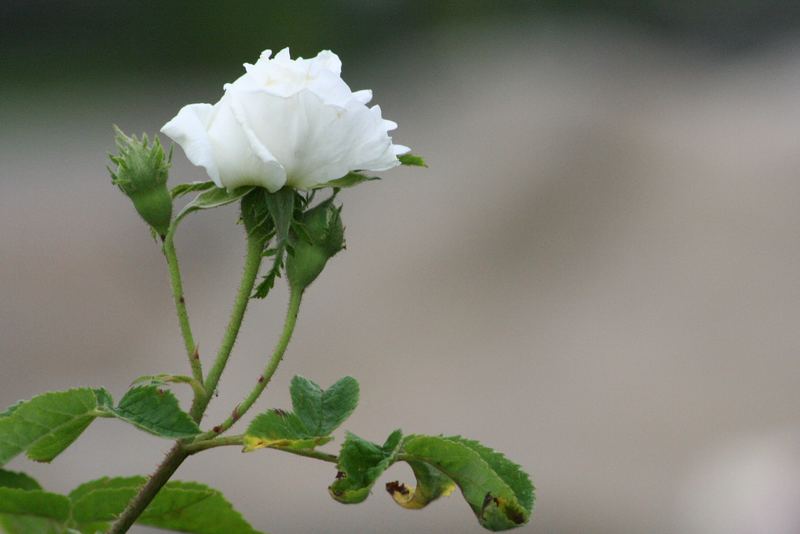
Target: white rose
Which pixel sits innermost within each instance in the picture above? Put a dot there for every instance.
(286, 122)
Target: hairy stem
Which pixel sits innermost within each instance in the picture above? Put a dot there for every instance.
(180, 306)
(255, 248)
(288, 328)
(147, 493)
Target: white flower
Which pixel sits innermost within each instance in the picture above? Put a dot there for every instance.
(286, 122)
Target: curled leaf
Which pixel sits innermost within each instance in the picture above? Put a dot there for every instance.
(499, 493)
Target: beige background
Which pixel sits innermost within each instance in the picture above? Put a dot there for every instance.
(598, 275)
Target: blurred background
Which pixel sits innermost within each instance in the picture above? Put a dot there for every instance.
(599, 274)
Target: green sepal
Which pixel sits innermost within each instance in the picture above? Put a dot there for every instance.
(348, 180)
(412, 160)
(142, 170)
(316, 414)
(48, 423)
(498, 491)
(281, 207)
(324, 239)
(156, 411)
(165, 379)
(213, 198)
(256, 216)
(190, 187)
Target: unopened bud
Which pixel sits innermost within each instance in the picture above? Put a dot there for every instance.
(324, 238)
(141, 173)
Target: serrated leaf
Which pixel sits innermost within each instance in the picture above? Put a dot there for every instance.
(498, 491)
(214, 198)
(24, 524)
(180, 506)
(323, 411)
(34, 504)
(511, 473)
(348, 180)
(47, 424)
(412, 160)
(8, 411)
(155, 411)
(183, 189)
(14, 479)
(277, 428)
(268, 282)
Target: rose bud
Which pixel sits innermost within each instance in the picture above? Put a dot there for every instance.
(142, 172)
(322, 238)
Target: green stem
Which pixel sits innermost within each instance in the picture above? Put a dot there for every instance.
(238, 439)
(222, 441)
(180, 306)
(288, 328)
(147, 493)
(255, 249)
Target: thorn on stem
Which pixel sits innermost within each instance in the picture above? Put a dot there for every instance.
(235, 413)
(182, 300)
(216, 430)
(261, 379)
(196, 354)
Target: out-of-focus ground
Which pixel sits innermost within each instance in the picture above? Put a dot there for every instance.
(599, 275)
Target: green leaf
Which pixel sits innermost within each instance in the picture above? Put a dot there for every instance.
(277, 428)
(498, 491)
(180, 506)
(316, 414)
(214, 198)
(14, 479)
(500, 495)
(361, 462)
(183, 189)
(155, 411)
(34, 504)
(48, 423)
(412, 160)
(24, 524)
(348, 180)
(323, 411)
(511, 473)
(8, 411)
